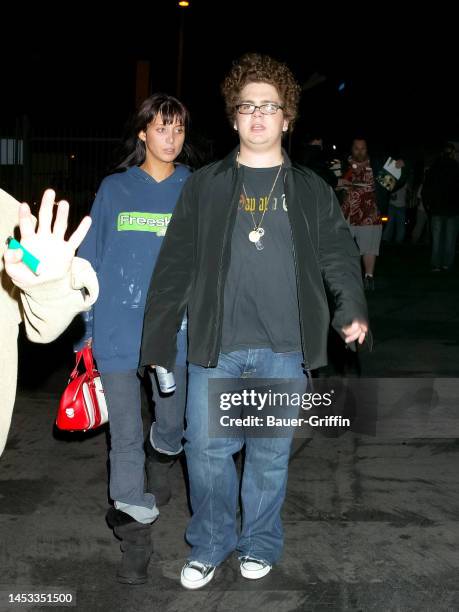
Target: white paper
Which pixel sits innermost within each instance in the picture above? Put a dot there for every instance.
(390, 167)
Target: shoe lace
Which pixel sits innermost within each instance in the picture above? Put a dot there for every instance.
(197, 565)
(249, 559)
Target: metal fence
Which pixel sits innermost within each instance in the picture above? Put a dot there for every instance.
(72, 163)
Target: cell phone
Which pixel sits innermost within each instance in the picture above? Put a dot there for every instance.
(27, 258)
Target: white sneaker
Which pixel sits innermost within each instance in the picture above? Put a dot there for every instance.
(254, 568)
(196, 574)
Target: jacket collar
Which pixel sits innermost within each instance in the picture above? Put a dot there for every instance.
(229, 161)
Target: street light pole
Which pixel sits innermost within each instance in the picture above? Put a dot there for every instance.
(183, 4)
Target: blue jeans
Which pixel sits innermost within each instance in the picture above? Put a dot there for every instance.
(395, 228)
(214, 488)
(166, 431)
(444, 235)
(127, 457)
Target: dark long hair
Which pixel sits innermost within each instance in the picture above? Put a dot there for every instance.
(133, 150)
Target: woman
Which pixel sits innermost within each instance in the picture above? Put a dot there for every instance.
(130, 217)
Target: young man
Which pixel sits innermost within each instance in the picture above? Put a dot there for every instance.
(248, 249)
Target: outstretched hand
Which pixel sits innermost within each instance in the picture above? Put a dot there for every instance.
(46, 243)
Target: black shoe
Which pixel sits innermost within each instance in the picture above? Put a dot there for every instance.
(369, 283)
(157, 466)
(136, 546)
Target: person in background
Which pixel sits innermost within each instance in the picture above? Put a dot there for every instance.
(422, 219)
(440, 195)
(362, 204)
(131, 215)
(46, 303)
(395, 228)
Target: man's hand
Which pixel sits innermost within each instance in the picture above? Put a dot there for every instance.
(46, 243)
(399, 163)
(355, 331)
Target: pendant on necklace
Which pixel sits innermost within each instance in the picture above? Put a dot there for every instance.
(256, 234)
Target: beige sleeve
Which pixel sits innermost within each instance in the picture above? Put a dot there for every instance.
(9, 319)
(8, 376)
(49, 308)
(9, 219)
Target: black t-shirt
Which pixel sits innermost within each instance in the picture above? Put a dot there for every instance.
(260, 300)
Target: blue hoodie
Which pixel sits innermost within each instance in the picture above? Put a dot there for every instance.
(130, 216)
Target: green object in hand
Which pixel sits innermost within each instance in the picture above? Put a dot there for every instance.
(27, 258)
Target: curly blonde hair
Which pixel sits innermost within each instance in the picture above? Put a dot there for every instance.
(258, 68)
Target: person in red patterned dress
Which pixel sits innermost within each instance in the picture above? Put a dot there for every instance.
(360, 208)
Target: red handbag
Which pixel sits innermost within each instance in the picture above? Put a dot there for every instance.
(83, 405)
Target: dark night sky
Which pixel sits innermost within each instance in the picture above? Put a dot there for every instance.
(400, 82)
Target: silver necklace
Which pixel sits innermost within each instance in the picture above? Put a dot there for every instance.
(258, 232)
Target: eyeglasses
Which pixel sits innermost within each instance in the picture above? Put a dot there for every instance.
(270, 108)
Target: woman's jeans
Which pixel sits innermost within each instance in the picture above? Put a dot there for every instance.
(214, 488)
(127, 456)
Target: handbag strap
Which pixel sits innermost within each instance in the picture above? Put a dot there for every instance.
(74, 373)
(88, 359)
(86, 355)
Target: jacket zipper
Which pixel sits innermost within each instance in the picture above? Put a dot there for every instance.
(214, 357)
(305, 355)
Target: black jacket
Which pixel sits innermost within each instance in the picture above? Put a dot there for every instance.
(195, 255)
